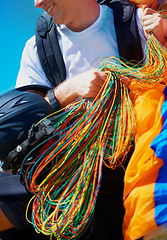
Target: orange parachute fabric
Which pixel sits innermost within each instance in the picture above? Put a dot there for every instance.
(64, 201)
(143, 168)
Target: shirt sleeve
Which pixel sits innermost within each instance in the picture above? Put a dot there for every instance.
(140, 29)
(31, 71)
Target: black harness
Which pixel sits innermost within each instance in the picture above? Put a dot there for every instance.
(128, 39)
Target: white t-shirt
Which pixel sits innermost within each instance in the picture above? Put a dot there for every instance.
(81, 50)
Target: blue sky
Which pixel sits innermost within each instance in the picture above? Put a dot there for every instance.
(18, 20)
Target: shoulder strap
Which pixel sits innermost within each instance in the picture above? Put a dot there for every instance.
(127, 33)
(128, 39)
(49, 51)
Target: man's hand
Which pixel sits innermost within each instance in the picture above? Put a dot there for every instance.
(84, 85)
(154, 23)
(89, 83)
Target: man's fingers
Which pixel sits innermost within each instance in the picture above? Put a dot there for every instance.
(101, 75)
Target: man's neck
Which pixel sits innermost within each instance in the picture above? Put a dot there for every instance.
(86, 16)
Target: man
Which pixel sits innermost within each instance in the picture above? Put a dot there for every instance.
(86, 33)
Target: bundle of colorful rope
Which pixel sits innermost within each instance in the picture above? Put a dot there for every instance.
(65, 199)
(65, 178)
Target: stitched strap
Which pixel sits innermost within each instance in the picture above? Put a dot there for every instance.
(53, 101)
(128, 38)
(49, 50)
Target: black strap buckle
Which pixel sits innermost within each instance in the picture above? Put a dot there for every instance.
(36, 132)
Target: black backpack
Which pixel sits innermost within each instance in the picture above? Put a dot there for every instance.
(128, 39)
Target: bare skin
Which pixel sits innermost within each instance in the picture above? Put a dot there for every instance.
(85, 85)
(151, 4)
(77, 18)
(4, 222)
(154, 23)
(77, 15)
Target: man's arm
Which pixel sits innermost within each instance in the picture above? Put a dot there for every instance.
(84, 85)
